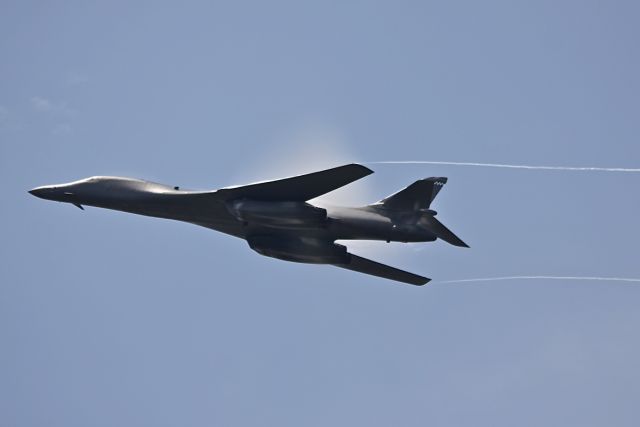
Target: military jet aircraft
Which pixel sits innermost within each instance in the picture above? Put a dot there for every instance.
(276, 218)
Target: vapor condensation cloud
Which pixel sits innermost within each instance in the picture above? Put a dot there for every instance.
(592, 278)
(509, 166)
(309, 146)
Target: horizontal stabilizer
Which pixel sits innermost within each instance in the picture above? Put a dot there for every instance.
(417, 196)
(366, 266)
(443, 232)
(298, 188)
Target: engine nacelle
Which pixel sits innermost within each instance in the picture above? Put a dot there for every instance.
(277, 214)
(299, 249)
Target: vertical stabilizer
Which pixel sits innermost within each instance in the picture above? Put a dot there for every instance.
(417, 196)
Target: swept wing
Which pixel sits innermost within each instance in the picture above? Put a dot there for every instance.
(298, 188)
(366, 266)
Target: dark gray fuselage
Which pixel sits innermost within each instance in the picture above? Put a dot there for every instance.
(212, 209)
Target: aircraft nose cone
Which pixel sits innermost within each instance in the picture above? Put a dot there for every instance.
(40, 192)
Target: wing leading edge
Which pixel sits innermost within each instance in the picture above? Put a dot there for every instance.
(366, 266)
(298, 188)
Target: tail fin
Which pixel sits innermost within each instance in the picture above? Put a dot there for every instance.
(414, 202)
(417, 196)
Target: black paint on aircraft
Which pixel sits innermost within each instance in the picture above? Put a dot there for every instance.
(275, 217)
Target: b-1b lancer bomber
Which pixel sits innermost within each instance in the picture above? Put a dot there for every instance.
(276, 218)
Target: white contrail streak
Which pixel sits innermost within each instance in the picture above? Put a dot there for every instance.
(491, 279)
(507, 166)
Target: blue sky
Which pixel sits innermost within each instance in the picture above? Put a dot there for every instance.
(113, 319)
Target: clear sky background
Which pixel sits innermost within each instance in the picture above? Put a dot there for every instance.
(109, 319)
